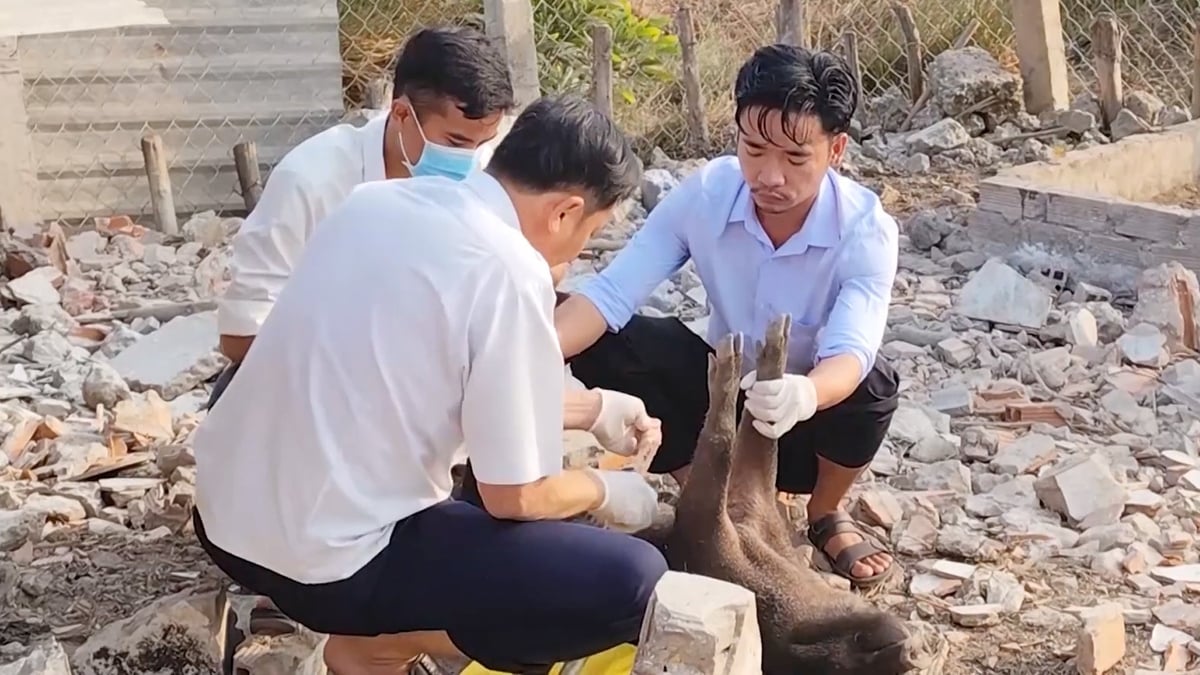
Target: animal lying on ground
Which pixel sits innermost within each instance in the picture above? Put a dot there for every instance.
(727, 526)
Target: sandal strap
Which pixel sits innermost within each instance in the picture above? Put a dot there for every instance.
(828, 527)
(856, 553)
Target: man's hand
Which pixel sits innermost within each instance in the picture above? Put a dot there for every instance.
(624, 427)
(778, 405)
(629, 502)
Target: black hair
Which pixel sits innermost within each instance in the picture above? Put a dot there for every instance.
(795, 82)
(564, 142)
(460, 65)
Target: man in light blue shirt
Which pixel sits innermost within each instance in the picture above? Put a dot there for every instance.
(773, 230)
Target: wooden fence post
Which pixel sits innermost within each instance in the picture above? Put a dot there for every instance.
(1037, 26)
(511, 21)
(162, 201)
(850, 53)
(245, 161)
(791, 25)
(1106, 53)
(915, 53)
(693, 97)
(1196, 69)
(602, 67)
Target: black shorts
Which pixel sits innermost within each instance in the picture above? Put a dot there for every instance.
(515, 596)
(222, 382)
(661, 361)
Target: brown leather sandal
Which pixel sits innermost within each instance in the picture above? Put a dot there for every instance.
(840, 522)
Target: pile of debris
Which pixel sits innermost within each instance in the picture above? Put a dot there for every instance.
(1041, 477)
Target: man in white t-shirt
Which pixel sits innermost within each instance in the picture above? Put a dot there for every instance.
(417, 331)
(452, 92)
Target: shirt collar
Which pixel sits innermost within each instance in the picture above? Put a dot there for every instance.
(487, 188)
(372, 148)
(821, 228)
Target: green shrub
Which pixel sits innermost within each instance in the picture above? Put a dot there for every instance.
(644, 50)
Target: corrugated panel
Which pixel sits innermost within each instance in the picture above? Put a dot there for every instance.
(222, 72)
(17, 17)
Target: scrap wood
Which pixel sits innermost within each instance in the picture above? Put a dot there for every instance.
(1049, 412)
(20, 438)
(163, 312)
(111, 466)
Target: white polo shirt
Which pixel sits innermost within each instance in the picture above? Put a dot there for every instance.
(303, 188)
(416, 331)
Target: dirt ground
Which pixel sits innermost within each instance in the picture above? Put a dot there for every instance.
(77, 583)
(76, 590)
(1186, 196)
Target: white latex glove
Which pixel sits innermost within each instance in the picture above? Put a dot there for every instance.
(623, 427)
(629, 502)
(778, 405)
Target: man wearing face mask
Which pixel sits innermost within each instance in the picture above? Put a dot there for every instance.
(774, 230)
(416, 331)
(452, 92)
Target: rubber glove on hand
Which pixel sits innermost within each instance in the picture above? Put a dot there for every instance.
(629, 502)
(623, 426)
(778, 405)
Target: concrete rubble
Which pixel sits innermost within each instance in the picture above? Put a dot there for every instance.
(1041, 477)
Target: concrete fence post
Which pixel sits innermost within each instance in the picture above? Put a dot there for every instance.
(19, 199)
(511, 21)
(1037, 25)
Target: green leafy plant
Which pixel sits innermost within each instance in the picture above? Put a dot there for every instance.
(644, 50)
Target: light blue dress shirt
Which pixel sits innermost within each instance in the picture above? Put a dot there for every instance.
(834, 277)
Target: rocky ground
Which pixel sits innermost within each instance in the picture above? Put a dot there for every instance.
(1040, 481)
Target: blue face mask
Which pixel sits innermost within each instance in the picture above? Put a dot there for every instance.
(439, 160)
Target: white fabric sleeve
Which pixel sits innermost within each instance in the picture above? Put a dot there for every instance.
(512, 412)
(264, 252)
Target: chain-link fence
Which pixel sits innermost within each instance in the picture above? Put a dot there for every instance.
(278, 71)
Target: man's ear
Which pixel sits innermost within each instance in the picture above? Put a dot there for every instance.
(838, 149)
(401, 109)
(568, 209)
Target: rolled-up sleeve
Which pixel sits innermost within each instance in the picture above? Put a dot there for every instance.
(866, 272)
(656, 252)
(264, 252)
(512, 410)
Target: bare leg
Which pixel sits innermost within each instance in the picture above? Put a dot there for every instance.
(681, 475)
(833, 482)
(384, 654)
